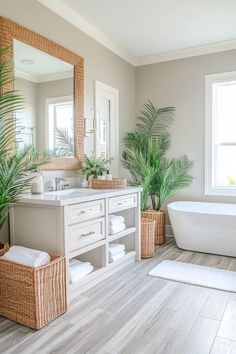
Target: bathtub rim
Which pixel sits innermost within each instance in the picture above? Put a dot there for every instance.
(170, 207)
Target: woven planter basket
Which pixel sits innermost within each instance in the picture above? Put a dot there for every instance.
(33, 296)
(115, 183)
(4, 247)
(147, 238)
(160, 228)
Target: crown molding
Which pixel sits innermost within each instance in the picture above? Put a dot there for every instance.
(63, 10)
(43, 78)
(187, 52)
(83, 25)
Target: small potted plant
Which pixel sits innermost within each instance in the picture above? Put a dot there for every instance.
(144, 157)
(93, 166)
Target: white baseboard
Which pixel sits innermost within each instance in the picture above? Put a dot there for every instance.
(169, 231)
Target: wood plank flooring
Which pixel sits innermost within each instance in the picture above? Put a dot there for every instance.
(133, 313)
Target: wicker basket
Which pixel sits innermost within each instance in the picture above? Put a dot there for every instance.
(115, 183)
(4, 247)
(160, 229)
(147, 238)
(33, 296)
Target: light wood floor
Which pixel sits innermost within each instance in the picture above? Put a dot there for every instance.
(133, 313)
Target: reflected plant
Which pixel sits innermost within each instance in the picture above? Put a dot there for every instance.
(66, 142)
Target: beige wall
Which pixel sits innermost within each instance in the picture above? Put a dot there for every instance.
(181, 83)
(100, 63)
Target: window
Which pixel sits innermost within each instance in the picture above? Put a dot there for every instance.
(220, 139)
(60, 113)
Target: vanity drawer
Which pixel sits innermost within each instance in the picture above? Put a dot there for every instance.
(85, 233)
(122, 202)
(85, 211)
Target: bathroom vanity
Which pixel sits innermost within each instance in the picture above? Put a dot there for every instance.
(74, 223)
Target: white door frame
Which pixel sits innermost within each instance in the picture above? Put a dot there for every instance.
(112, 94)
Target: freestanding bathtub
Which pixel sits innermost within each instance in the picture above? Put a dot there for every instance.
(204, 227)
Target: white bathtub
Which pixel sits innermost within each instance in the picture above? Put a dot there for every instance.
(204, 227)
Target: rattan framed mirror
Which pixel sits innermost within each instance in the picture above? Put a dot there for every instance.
(68, 107)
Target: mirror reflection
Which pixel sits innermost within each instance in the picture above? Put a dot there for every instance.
(47, 86)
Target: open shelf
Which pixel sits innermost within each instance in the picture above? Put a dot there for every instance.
(126, 232)
(128, 255)
(94, 274)
(86, 249)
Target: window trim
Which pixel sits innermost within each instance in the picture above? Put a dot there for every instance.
(111, 93)
(210, 189)
(54, 100)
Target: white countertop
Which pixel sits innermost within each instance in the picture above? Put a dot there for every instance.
(74, 196)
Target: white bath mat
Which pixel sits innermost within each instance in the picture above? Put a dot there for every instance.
(196, 274)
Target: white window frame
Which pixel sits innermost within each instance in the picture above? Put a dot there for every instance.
(210, 189)
(111, 94)
(49, 101)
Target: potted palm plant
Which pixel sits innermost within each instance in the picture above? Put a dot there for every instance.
(144, 157)
(93, 166)
(15, 163)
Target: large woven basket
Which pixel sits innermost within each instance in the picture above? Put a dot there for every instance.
(4, 247)
(115, 183)
(33, 296)
(147, 238)
(160, 228)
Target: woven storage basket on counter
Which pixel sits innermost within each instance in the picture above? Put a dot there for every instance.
(4, 247)
(115, 183)
(147, 238)
(160, 228)
(33, 296)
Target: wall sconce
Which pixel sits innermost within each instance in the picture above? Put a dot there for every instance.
(88, 126)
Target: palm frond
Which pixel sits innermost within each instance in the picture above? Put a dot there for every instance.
(155, 121)
(65, 141)
(15, 164)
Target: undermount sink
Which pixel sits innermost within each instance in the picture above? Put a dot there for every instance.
(70, 192)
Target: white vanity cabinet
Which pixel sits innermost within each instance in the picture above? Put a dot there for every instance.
(75, 223)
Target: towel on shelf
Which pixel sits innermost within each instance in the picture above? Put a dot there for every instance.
(115, 257)
(116, 219)
(114, 229)
(115, 248)
(78, 270)
(27, 256)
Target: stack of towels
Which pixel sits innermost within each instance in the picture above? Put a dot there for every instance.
(78, 270)
(27, 256)
(116, 224)
(116, 251)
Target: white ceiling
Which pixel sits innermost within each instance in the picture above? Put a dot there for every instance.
(44, 68)
(143, 31)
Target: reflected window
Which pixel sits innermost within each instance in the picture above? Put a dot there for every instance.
(61, 127)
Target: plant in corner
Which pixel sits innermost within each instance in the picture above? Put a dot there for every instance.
(15, 164)
(144, 157)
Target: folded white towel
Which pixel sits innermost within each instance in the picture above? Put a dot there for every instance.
(117, 256)
(27, 256)
(114, 229)
(115, 219)
(78, 270)
(115, 248)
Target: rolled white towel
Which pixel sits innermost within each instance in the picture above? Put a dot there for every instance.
(115, 248)
(114, 229)
(27, 256)
(78, 270)
(115, 219)
(116, 256)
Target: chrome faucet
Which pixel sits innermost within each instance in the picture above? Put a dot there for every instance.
(59, 185)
